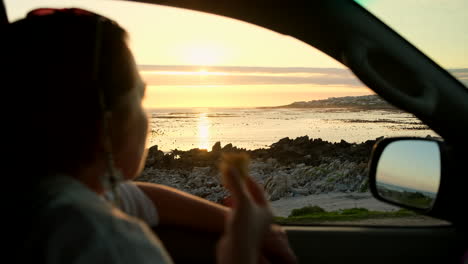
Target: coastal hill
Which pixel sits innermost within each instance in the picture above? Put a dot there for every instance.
(366, 102)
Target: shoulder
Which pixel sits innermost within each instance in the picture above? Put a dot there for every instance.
(86, 229)
(136, 203)
(71, 234)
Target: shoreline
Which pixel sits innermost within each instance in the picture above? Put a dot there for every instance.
(252, 130)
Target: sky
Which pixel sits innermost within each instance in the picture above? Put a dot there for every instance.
(228, 86)
(267, 68)
(438, 27)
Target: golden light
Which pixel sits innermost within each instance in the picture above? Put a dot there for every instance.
(187, 73)
(203, 131)
(203, 54)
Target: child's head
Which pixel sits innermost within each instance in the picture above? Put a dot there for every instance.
(79, 66)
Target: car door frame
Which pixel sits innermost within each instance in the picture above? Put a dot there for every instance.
(333, 27)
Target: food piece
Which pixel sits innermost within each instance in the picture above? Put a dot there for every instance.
(236, 161)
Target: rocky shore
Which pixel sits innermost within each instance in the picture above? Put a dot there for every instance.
(288, 168)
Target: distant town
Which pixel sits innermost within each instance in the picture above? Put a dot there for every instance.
(357, 102)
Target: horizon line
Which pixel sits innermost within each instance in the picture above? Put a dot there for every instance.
(270, 106)
(275, 67)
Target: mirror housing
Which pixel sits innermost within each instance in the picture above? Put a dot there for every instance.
(407, 171)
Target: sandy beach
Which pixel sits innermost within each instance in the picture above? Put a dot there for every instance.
(331, 202)
(336, 201)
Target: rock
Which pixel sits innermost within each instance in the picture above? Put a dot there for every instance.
(154, 157)
(277, 185)
(341, 187)
(216, 147)
(290, 167)
(300, 141)
(201, 171)
(301, 191)
(283, 141)
(228, 147)
(271, 161)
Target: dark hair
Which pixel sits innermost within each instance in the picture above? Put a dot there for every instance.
(52, 61)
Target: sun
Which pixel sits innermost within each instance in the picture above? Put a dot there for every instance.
(203, 54)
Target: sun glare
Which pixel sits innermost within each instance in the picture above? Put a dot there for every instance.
(203, 131)
(203, 54)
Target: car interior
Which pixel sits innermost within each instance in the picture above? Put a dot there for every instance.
(405, 77)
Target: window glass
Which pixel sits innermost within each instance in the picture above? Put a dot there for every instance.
(216, 84)
(437, 28)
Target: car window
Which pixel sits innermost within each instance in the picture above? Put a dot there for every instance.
(216, 85)
(437, 28)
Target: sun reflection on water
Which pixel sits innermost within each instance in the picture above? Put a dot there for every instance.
(203, 131)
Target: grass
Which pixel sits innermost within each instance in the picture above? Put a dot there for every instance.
(316, 214)
(307, 211)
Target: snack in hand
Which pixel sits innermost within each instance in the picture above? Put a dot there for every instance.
(235, 161)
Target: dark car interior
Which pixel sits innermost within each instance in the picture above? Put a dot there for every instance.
(394, 69)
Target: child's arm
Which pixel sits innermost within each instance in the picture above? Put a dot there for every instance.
(183, 209)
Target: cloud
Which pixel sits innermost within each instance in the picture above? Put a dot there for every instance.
(230, 75)
(237, 75)
(461, 75)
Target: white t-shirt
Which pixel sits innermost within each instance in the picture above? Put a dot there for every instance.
(135, 203)
(75, 225)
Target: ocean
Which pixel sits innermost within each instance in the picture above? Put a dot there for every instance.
(252, 128)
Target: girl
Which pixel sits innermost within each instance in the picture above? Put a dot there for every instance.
(87, 92)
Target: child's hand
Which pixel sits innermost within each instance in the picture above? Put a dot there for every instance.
(248, 222)
(276, 247)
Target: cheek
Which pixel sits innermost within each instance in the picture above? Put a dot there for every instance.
(145, 126)
(133, 156)
(141, 138)
(143, 131)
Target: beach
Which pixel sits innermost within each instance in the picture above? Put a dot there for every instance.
(254, 128)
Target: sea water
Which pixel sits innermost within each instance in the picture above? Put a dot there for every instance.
(252, 128)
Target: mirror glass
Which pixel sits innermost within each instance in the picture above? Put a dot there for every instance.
(408, 173)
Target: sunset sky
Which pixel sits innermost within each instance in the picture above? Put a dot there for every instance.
(189, 58)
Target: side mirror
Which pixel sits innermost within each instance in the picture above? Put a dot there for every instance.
(406, 171)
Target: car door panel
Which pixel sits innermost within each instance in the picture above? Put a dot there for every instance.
(333, 244)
